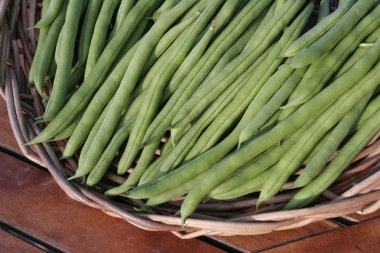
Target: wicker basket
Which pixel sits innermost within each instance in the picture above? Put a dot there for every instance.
(357, 190)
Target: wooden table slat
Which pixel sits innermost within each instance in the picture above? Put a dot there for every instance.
(11, 244)
(360, 238)
(36, 205)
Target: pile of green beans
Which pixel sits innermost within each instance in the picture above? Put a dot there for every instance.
(244, 93)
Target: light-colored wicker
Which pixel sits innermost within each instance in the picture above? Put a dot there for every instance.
(357, 190)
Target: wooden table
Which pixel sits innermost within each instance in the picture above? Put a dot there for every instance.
(36, 215)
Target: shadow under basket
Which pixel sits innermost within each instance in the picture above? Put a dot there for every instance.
(357, 190)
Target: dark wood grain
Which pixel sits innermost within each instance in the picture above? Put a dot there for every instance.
(12, 244)
(260, 242)
(36, 205)
(360, 238)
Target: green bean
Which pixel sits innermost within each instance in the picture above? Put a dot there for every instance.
(109, 153)
(135, 38)
(89, 138)
(199, 6)
(248, 186)
(173, 33)
(198, 50)
(234, 51)
(152, 100)
(166, 6)
(58, 47)
(99, 36)
(317, 31)
(265, 18)
(216, 25)
(169, 195)
(254, 99)
(51, 13)
(334, 35)
(98, 102)
(279, 4)
(151, 172)
(244, 96)
(97, 150)
(273, 104)
(67, 132)
(47, 52)
(69, 33)
(77, 75)
(52, 70)
(324, 10)
(96, 125)
(257, 165)
(208, 92)
(368, 112)
(227, 57)
(222, 43)
(41, 39)
(311, 191)
(292, 159)
(221, 170)
(330, 63)
(142, 164)
(134, 70)
(204, 161)
(89, 161)
(320, 159)
(177, 155)
(81, 97)
(124, 8)
(87, 30)
(177, 133)
(358, 53)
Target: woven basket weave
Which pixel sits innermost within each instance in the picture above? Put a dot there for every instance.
(357, 190)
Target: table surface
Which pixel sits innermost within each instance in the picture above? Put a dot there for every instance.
(37, 216)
